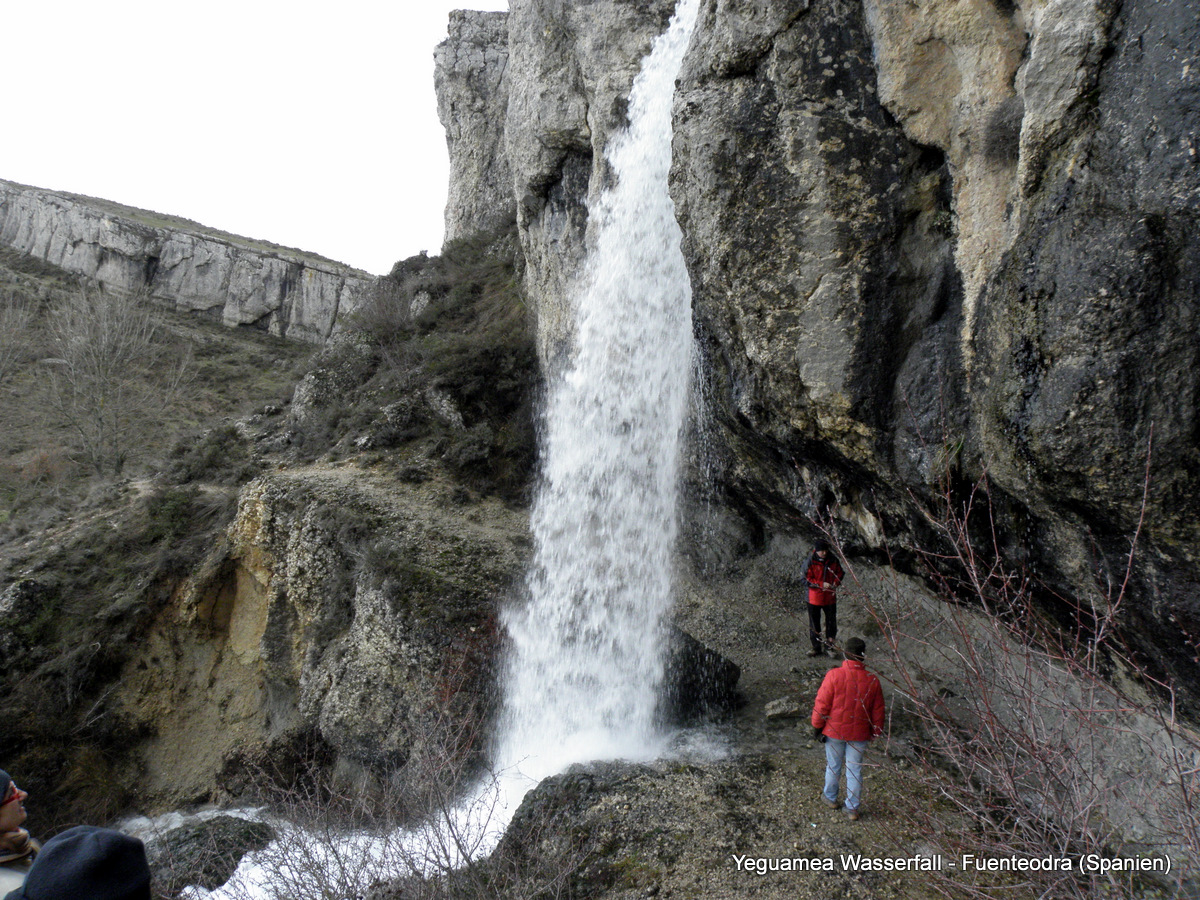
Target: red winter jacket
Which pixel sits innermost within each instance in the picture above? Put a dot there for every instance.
(849, 704)
(821, 571)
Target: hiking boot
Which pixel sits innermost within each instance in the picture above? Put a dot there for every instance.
(832, 804)
(812, 653)
(852, 815)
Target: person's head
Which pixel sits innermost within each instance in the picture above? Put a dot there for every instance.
(856, 648)
(87, 863)
(12, 804)
(821, 548)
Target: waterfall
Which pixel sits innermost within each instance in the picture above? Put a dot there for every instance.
(586, 659)
(586, 665)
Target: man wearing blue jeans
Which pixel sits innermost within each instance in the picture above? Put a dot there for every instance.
(848, 712)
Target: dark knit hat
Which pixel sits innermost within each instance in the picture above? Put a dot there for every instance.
(856, 648)
(87, 863)
(821, 544)
(5, 778)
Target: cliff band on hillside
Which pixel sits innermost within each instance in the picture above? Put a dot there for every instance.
(284, 292)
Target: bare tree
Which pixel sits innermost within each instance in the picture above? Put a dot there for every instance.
(113, 371)
(1038, 742)
(426, 830)
(16, 331)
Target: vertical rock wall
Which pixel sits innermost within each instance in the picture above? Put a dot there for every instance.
(817, 236)
(928, 241)
(571, 66)
(1088, 380)
(471, 80)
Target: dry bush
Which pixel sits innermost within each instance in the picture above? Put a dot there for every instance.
(424, 830)
(17, 317)
(335, 844)
(454, 342)
(1037, 741)
(113, 373)
(386, 315)
(33, 479)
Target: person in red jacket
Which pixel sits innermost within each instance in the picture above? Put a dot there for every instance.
(822, 573)
(848, 712)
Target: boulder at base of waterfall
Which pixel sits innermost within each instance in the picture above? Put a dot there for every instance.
(699, 684)
(203, 853)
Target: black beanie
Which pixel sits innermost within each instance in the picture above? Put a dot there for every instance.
(88, 863)
(821, 544)
(856, 648)
(5, 778)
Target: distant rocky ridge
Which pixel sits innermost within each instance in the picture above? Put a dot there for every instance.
(235, 280)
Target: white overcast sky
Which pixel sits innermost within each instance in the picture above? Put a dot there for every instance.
(309, 124)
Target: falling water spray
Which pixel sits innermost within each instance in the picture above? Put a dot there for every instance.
(586, 666)
(586, 662)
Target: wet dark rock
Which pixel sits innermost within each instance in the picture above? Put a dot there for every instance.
(203, 853)
(700, 683)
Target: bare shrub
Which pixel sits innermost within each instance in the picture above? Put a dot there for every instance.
(17, 316)
(424, 830)
(342, 843)
(45, 465)
(386, 316)
(455, 327)
(113, 373)
(1037, 741)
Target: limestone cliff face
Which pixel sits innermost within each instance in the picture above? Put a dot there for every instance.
(272, 288)
(340, 606)
(561, 83)
(927, 241)
(471, 79)
(1025, 143)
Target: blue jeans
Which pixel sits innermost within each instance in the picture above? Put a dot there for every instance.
(851, 753)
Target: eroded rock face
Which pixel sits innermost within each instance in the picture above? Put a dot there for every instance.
(981, 268)
(1087, 388)
(927, 241)
(823, 283)
(284, 292)
(571, 66)
(946, 72)
(471, 80)
(353, 609)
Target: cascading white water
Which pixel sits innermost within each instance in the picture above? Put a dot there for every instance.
(587, 649)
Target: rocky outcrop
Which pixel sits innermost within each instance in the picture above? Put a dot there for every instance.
(699, 683)
(343, 606)
(285, 292)
(928, 243)
(975, 278)
(567, 75)
(346, 610)
(204, 853)
(471, 80)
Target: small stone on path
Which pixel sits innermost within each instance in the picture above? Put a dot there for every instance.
(784, 708)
